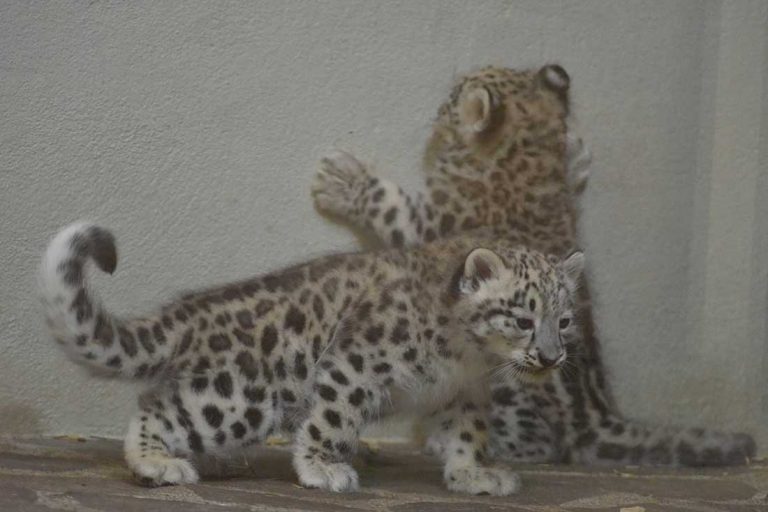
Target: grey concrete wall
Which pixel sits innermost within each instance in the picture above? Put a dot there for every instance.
(192, 129)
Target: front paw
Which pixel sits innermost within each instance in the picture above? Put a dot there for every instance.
(496, 481)
(330, 476)
(340, 184)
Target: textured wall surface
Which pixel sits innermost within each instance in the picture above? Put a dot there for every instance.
(192, 130)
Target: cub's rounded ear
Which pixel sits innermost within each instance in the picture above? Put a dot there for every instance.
(555, 77)
(573, 266)
(476, 109)
(480, 265)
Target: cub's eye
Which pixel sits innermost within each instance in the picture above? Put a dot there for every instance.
(564, 323)
(525, 324)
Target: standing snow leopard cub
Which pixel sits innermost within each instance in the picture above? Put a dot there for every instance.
(321, 349)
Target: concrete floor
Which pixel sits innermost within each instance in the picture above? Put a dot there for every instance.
(88, 475)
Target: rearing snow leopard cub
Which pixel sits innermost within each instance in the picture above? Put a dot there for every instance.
(320, 348)
(496, 160)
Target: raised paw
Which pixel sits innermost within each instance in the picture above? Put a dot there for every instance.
(578, 160)
(496, 481)
(333, 476)
(156, 470)
(339, 183)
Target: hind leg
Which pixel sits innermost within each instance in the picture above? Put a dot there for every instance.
(207, 414)
(345, 400)
(148, 453)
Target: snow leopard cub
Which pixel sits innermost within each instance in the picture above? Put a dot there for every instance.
(321, 349)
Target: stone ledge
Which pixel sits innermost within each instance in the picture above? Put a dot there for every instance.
(88, 475)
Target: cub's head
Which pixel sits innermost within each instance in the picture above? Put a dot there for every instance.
(493, 107)
(518, 305)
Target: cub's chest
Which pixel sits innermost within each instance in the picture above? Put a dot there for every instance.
(437, 383)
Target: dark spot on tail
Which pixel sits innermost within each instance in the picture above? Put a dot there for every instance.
(103, 249)
(713, 457)
(127, 341)
(81, 306)
(742, 450)
(746, 444)
(611, 451)
(186, 342)
(99, 244)
(144, 338)
(103, 332)
(687, 455)
(71, 272)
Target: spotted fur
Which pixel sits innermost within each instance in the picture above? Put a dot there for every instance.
(496, 162)
(320, 349)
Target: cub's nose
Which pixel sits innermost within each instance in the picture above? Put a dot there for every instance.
(548, 363)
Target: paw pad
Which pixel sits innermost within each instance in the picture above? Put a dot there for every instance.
(339, 183)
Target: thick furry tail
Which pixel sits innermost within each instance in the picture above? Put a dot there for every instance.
(601, 435)
(623, 442)
(88, 333)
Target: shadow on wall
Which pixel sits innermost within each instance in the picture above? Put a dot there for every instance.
(20, 420)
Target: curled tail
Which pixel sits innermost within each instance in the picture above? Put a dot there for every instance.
(622, 442)
(81, 325)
